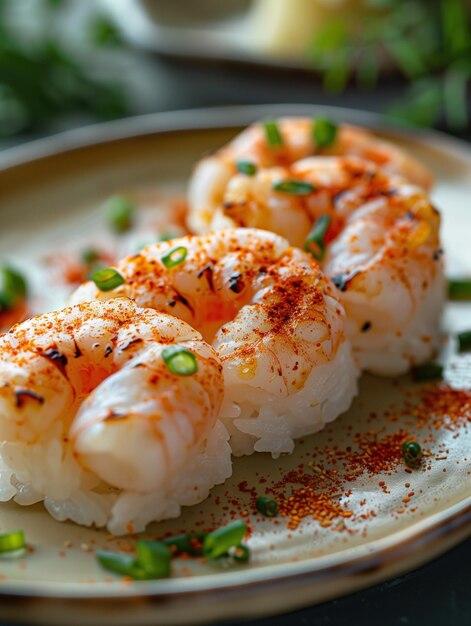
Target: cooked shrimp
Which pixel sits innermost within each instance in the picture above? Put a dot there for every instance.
(94, 381)
(273, 318)
(382, 248)
(212, 175)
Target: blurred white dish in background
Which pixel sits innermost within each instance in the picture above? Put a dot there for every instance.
(285, 28)
(277, 32)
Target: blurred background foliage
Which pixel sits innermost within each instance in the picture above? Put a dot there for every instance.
(428, 42)
(45, 74)
(55, 61)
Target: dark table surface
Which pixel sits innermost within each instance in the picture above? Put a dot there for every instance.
(439, 592)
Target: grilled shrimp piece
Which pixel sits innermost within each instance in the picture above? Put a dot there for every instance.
(212, 174)
(382, 248)
(273, 317)
(106, 395)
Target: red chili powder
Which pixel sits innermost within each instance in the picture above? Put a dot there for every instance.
(316, 492)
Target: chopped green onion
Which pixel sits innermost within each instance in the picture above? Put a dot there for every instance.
(123, 564)
(120, 213)
(218, 542)
(107, 279)
(267, 506)
(324, 132)
(315, 241)
(273, 134)
(412, 453)
(95, 267)
(459, 289)
(464, 341)
(152, 561)
(246, 167)
(185, 543)
(174, 257)
(428, 371)
(89, 256)
(154, 558)
(294, 187)
(241, 553)
(180, 360)
(12, 541)
(13, 288)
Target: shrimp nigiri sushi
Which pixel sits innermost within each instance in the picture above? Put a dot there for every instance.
(108, 414)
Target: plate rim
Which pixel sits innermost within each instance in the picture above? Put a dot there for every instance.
(213, 118)
(426, 531)
(378, 553)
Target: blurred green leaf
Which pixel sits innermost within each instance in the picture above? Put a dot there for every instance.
(455, 20)
(428, 41)
(103, 32)
(455, 94)
(330, 38)
(42, 79)
(13, 115)
(337, 73)
(330, 51)
(407, 56)
(422, 104)
(368, 68)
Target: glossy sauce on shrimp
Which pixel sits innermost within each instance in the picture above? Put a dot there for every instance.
(382, 248)
(92, 384)
(288, 140)
(273, 318)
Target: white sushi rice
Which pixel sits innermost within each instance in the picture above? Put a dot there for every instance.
(386, 349)
(260, 421)
(48, 472)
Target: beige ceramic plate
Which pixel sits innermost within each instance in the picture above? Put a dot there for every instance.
(49, 194)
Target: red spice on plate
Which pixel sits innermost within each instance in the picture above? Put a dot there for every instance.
(315, 491)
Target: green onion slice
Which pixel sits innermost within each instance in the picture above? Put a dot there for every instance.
(273, 134)
(428, 371)
(246, 167)
(180, 360)
(152, 561)
(174, 257)
(412, 452)
(123, 564)
(324, 132)
(89, 256)
(218, 542)
(464, 341)
(107, 279)
(154, 558)
(95, 267)
(12, 541)
(120, 213)
(13, 288)
(315, 241)
(267, 506)
(241, 553)
(459, 289)
(294, 187)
